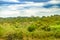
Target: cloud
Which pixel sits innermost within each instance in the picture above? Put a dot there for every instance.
(19, 9)
(35, 0)
(54, 2)
(34, 10)
(10, 0)
(30, 9)
(7, 13)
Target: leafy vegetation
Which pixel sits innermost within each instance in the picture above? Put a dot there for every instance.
(30, 28)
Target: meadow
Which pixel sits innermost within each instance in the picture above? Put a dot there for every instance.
(30, 28)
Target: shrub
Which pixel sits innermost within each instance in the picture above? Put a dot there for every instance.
(20, 35)
(1, 31)
(31, 28)
(57, 35)
(15, 36)
(9, 37)
(46, 28)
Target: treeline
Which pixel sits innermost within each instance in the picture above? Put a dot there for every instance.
(43, 19)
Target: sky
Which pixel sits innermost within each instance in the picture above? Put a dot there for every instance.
(14, 8)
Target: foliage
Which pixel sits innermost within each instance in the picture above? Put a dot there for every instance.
(30, 28)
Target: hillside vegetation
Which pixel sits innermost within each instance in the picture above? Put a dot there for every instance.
(30, 28)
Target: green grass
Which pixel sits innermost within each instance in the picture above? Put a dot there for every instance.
(29, 33)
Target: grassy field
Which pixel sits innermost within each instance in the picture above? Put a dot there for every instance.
(30, 28)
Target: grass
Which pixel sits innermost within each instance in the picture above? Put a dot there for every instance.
(10, 32)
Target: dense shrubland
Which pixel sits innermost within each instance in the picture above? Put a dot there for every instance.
(30, 28)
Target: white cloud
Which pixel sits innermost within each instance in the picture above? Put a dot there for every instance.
(10, 0)
(54, 2)
(35, 9)
(13, 11)
(8, 13)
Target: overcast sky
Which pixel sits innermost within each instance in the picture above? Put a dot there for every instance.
(13, 8)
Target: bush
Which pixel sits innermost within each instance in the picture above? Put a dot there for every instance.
(46, 28)
(9, 37)
(20, 35)
(1, 31)
(57, 35)
(15, 36)
(31, 28)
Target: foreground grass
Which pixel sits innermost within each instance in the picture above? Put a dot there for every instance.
(10, 32)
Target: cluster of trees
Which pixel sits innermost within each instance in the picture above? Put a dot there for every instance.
(30, 28)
